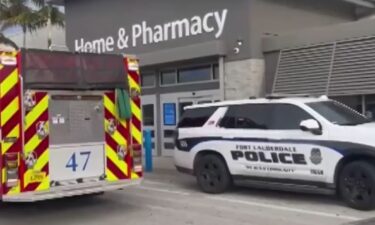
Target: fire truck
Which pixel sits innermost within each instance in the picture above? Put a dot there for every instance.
(70, 124)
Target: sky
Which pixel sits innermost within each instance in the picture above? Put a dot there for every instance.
(12, 31)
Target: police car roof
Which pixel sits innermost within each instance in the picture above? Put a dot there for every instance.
(291, 100)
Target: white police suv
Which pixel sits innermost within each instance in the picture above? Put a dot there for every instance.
(299, 142)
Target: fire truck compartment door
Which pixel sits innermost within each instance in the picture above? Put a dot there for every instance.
(76, 136)
(77, 162)
(76, 119)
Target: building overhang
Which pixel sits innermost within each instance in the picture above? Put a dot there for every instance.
(201, 50)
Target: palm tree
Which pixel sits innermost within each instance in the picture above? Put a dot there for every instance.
(3, 39)
(6, 41)
(30, 18)
(50, 16)
(18, 13)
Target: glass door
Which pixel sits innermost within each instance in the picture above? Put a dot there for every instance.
(172, 107)
(150, 118)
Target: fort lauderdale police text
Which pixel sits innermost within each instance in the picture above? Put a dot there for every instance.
(144, 34)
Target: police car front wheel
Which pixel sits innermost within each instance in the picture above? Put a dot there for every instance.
(212, 174)
(357, 185)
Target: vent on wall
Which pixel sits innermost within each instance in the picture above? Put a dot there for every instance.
(336, 69)
(353, 70)
(304, 70)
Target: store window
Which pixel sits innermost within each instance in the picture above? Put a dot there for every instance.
(194, 74)
(148, 115)
(148, 79)
(168, 77)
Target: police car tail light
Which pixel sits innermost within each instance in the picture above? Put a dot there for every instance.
(11, 162)
(137, 158)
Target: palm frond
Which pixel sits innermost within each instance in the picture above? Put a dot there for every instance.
(57, 17)
(39, 3)
(20, 13)
(54, 14)
(6, 41)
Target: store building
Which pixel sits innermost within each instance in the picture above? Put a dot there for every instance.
(194, 51)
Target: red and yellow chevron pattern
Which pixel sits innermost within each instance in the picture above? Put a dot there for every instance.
(37, 144)
(11, 116)
(136, 121)
(116, 139)
(33, 144)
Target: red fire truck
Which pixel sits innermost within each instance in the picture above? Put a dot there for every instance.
(70, 124)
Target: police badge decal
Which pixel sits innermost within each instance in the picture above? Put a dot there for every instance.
(316, 156)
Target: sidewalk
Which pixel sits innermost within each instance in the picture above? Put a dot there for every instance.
(163, 163)
(165, 172)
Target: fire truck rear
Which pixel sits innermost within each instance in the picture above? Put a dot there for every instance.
(70, 124)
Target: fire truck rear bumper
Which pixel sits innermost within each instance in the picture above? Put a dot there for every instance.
(68, 191)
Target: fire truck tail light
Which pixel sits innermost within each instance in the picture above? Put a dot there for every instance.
(11, 161)
(137, 158)
(138, 168)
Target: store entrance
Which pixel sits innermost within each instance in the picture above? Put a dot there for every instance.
(172, 107)
(150, 118)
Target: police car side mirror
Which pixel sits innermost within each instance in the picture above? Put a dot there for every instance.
(312, 126)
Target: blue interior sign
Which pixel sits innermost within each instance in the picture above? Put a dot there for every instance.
(169, 110)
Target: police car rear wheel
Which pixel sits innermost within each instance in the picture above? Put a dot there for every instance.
(357, 185)
(212, 174)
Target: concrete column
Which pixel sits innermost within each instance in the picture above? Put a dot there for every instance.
(244, 79)
(222, 78)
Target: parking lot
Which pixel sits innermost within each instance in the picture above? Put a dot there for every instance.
(166, 197)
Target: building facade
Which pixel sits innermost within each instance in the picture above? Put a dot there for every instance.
(194, 52)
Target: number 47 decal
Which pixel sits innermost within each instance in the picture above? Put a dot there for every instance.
(72, 163)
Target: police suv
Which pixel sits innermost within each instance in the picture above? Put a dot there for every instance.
(301, 142)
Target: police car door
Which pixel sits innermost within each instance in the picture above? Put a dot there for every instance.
(294, 154)
(245, 133)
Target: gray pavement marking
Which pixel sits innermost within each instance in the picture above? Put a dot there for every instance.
(282, 208)
(164, 190)
(363, 222)
(256, 204)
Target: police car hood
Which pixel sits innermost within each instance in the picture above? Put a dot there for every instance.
(367, 125)
(361, 134)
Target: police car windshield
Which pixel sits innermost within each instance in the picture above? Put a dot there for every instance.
(338, 113)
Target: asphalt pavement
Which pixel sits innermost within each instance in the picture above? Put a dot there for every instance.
(169, 198)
